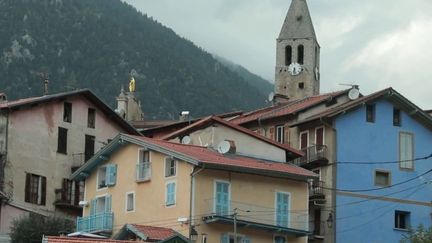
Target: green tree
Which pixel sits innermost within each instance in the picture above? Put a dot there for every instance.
(419, 235)
(32, 227)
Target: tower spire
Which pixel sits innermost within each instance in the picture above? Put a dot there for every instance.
(297, 55)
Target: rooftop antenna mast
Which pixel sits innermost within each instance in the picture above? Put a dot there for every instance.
(45, 77)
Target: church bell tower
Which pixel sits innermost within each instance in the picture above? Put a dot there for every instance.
(297, 55)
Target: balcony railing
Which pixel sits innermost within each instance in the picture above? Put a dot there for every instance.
(316, 189)
(314, 155)
(101, 222)
(143, 171)
(297, 219)
(64, 197)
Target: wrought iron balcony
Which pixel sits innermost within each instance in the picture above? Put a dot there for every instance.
(258, 217)
(316, 192)
(315, 156)
(101, 222)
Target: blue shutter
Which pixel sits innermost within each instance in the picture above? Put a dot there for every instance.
(170, 196)
(225, 238)
(222, 198)
(111, 174)
(282, 209)
(93, 207)
(280, 239)
(246, 240)
(107, 203)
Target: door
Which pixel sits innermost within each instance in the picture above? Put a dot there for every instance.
(222, 199)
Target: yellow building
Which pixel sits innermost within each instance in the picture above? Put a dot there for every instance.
(220, 195)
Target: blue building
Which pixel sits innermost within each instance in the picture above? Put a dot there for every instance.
(382, 168)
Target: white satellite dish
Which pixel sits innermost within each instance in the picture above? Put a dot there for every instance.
(186, 140)
(271, 97)
(224, 147)
(354, 93)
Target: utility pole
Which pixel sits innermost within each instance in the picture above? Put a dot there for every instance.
(235, 225)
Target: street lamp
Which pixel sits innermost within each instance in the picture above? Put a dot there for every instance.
(330, 220)
(193, 234)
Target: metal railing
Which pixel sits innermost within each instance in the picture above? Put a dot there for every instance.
(312, 153)
(297, 219)
(316, 188)
(143, 171)
(95, 223)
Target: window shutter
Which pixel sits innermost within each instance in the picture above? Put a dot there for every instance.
(167, 166)
(27, 187)
(282, 210)
(93, 207)
(170, 194)
(107, 203)
(225, 238)
(43, 190)
(111, 174)
(271, 133)
(286, 135)
(246, 240)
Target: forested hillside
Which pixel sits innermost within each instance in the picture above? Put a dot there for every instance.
(98, 44)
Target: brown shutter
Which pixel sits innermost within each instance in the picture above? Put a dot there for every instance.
(27, 187)
(286, 135)
(271, 133)
(43, 190)
(319, 133)
(303, 140)
(77, 193)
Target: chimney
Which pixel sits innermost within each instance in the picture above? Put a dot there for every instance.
(184, 116)
(3, 98)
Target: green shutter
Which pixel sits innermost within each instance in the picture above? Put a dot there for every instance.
(107, 203)
(111, 174)
(93, 207)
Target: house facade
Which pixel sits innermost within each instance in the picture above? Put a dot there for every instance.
(42, 141)
(138, 180)
(364, 150)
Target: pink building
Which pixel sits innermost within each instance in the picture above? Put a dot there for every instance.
(42, 141)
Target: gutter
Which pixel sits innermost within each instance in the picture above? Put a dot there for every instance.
(192, 197)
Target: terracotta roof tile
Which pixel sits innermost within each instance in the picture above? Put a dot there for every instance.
(60, 239)
(207, 156)
(286, 108)
(155, 233)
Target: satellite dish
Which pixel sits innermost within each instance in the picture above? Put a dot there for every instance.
(354, 93)
(271, 97)
(224, 147)
(186, 140)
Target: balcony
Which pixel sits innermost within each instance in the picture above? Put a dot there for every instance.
(315, 156)
(316, 193)
(258, 217)
(101, 222)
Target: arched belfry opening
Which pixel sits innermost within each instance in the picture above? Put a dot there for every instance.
(288, 55)
(300, 54)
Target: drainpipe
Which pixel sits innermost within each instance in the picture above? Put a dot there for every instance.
(192, 196)
(334, 175)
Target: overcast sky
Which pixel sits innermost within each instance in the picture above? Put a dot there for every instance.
(375, 44)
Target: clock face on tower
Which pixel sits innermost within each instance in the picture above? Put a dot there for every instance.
(295, 69)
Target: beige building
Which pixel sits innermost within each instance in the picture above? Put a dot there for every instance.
(220, 195)
(42, 141)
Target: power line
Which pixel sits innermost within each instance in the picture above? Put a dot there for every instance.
(380, 162)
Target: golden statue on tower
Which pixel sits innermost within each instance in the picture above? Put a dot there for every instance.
(132, 85)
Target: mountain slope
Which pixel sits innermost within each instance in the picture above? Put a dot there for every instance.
(97, 44)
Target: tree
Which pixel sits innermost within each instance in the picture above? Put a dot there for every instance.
(32, 227)
(419, 235)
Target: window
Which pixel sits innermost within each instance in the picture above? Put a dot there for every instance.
(222, 198)
(106, 176)
(280, 134)
(396, 117)
(67, 112)
(228, 238)
(300, 54)
(301, 85)
(130, 202)
(282, 208)
(288, 55)
(382, 178)
(204, 238)
(89, 147)
(143, 166)
(170, 195)
(406, 151)
(62, 140)
(370, 113)
(402, 220)
(35, 189)
(170, 167)
(280, 239)
(319, 136)
(91, 118)
(100, 205)
(72, 192)
(304, 143)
